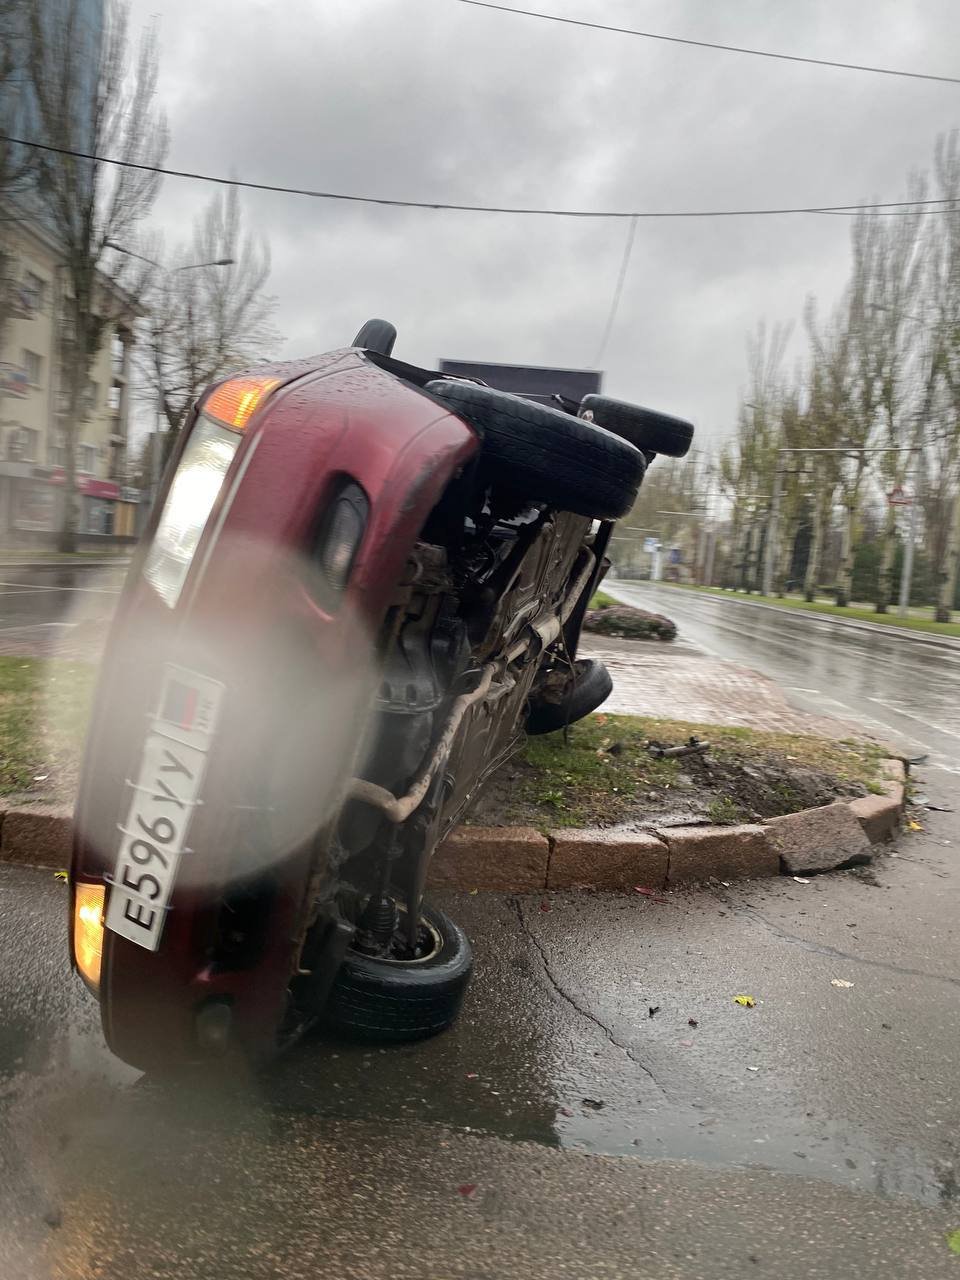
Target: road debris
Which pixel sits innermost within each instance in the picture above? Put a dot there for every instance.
(649, 893)
(592, 1104)
(468, 1190)
(801, 879)
(692, 1022)
(914, 826)
(653, 1009)
(840, 982)
(747, 1002)
(692, 747)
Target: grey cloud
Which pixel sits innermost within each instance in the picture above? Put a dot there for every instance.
(428, 99)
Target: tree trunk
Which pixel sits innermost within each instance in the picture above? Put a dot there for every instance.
(811, 575)
(67, 540)
(947, 577)
(845, 574)
(784, 555)
(889, 551)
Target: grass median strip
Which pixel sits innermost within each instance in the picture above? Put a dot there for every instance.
(603, 775)
(44, 708)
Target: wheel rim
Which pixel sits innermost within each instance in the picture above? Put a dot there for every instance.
(428, 937)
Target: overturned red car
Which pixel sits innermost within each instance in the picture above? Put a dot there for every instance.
(362, 584)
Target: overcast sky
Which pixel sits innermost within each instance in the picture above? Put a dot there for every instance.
(435, 100)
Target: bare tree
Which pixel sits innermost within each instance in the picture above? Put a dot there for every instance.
(91, 206)
(17, 164)
(204, 320)
(945, 305)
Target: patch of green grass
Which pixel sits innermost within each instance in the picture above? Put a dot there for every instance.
(874, 787)
(603, 774)
(857, 614)
(600, 600)
(44, 708)
(724, 811)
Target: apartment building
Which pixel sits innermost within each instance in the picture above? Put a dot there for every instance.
(34, 404)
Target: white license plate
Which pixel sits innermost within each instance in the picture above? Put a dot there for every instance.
(165, 793)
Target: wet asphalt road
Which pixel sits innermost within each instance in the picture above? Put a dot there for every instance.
(816, 1135)
(45, 609)
(901, 685)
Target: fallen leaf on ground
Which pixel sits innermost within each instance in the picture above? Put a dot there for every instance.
(840, 982)
(953, 1241)
(565, 1111)
(748, 1002)
(914, 826)
(468, 1190)
(60, 875)
(544, 906)
(648, 893)
(474, 892)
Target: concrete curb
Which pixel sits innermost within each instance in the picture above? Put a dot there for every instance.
(522, 860)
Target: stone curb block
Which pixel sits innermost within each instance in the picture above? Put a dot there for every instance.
(820, 839)
(498, 858)
(521, 860)
(719, 853)
(607, 860)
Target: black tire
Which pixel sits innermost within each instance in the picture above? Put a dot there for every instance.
(389, 1002)
(376, 335)
(645, 428)
(547, 455)
(592, 687)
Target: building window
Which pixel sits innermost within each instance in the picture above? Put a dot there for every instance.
(113, 397)
(36, 289)
(34, 506)
(29, 443)
(118, 353)
(33, 364)
(87, 458)
(22, 444)
(56, 450)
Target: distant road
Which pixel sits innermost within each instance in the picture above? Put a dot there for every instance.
(891, 681)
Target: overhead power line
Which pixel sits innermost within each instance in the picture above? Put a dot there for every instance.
(709, 44)
(908, 205)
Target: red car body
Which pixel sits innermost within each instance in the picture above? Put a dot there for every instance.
(334, 417)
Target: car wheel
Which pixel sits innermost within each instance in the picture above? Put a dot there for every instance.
(646, 429)
(591, 687)
(546, 455)
(392, 1001)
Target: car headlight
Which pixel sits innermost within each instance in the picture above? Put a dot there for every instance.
(195, 488)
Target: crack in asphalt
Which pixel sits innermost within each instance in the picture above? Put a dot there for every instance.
(574, 1004)
(823, 948)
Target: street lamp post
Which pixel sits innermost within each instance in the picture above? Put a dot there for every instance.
(161, 407)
